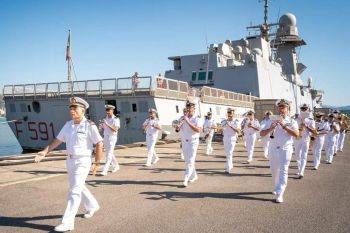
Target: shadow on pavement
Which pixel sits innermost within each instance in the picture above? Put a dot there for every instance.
(27, 222)
(174, 196)
(96, 183)
(37, 172)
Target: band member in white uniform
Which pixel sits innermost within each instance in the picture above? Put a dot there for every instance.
(250, 127)
(331, 138)
(319, 138)
(208, 128)
(343, 128)
(230, 129)
(178, 129)
(306, 127)
(80, 135)
(281, 147)
(336, 114)
(151, 127)
(191, 127)
(110, 125)
(266, 140)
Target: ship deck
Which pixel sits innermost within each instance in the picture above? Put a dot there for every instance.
(140, 199)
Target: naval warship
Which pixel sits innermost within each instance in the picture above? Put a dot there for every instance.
(246, 74)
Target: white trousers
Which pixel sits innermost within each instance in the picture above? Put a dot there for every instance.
(266, 143)
(229, 145)
(336, 143)
(250, 142)
(189, 148)
(331, 148)
(109, 144)
(317, 150)
(279, 164)
(341, 141)
(78, 170)
(151, 144)
(301, 150)
(209, 141)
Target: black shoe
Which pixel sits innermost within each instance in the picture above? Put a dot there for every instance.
(335, 154)
(301, 177)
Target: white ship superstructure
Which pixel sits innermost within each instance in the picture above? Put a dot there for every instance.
(261, 65)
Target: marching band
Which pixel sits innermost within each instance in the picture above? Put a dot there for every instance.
(280, 134)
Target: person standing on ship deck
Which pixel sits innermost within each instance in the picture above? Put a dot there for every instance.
(110, 125)
(80, 135)
(281, 147)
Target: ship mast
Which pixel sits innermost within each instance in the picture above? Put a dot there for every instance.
(265, 27)
(69, 63)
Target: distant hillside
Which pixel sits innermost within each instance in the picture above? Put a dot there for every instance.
(342, 108)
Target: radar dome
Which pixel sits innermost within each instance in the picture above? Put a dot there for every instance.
(288, 20)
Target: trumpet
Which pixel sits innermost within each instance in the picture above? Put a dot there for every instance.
(177, 124)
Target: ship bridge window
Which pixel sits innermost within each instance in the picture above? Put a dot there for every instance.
(177, 64)
(134, 107)
(29, 108)
(202, 75)
(36, 106)
(194, 76)
(143, 106)
(177, 108)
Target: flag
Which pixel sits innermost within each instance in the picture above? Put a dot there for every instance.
(68, 55)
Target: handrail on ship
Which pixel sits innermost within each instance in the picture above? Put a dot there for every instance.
(146, 86)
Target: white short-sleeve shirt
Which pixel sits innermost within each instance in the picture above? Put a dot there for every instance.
(281, 138)
(208, 126)
(150, 130)
(309, 122)
(322, 127)
(248, 130)
(262, 125)
(79, 138)
(227, 130)
(113, 121)
(187, 133)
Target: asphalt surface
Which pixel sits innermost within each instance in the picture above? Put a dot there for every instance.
(142, 199)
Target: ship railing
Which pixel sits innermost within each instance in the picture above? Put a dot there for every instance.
(214, 95)
(87, 88)
(169, 88)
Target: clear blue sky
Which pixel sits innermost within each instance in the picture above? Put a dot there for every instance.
(114, 38)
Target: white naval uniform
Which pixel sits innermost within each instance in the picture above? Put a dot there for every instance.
(180, 132)
(250, 136)
(79, 139)
(151, 139)
(281, 149)
(230, 139)
(109, 140)
(342, 136)
(190, 142)
(322, 127)
(208, 129)
(331, 142)
(266, 138)
(302, 144)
